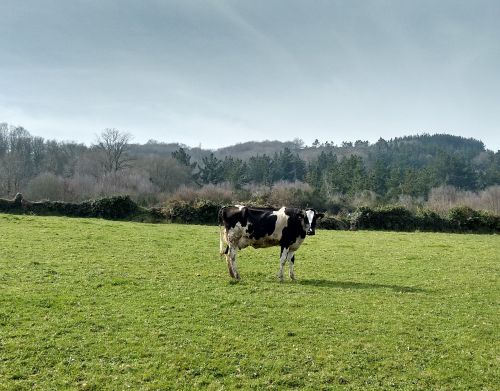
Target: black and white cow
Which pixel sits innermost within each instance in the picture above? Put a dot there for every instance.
(243, 226)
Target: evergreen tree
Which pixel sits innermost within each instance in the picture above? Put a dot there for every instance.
(212, 170)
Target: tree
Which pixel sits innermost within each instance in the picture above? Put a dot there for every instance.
(288, 167)
(235, 171)
(184, 159)
(212, 170)
(168, 174)
(259, 169)
(114, 147)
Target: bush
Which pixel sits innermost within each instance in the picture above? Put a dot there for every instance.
(291, 194)
(118, 207)
(330, 222)
(390, 218)
(393, 218)
(12, 206)
(198, 212)
(429, 220)
(113, 207)
(215, 193)
(46, 186)
(467, 219)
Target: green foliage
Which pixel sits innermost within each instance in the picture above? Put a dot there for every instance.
(200, 211)
(117, 207)
(389, 218)
(288, 167)
(467, 219)
(183, 158)
(235, 171)
(405, 166)
(332, 222)
(212, 170)
(397, 218)
(431, 221)
(92, 304)
(260, 169)
(197, 212)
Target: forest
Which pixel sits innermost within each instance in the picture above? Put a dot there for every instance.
(436, 171)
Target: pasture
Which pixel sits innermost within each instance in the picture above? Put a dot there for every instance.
(99, 305)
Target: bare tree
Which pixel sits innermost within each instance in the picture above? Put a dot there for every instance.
(114, 146)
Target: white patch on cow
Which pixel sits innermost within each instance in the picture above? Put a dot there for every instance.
(291, 264)
(310, 216)
(283, 259)
(232, 258)
(281, 223)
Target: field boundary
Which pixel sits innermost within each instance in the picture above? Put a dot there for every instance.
(205, 212)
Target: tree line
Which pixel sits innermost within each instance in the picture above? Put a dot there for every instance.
(388, 170)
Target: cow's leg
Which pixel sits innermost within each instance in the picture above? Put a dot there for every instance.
(228, 261)
(291, 264)
(232, 256)
(284, 253)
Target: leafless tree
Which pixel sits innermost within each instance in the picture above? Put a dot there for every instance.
(114, 147)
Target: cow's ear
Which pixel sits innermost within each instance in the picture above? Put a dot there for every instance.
(320, 215)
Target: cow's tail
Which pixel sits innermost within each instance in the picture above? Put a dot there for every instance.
(222, 250)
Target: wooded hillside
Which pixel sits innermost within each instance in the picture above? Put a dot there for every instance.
(411, 169)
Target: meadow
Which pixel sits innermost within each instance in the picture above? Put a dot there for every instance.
(102, 305)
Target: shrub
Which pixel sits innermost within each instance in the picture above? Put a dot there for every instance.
(46, 186)
(291, 194)
(330, 222)
(216, 193)
(429, 220)
(465, 218)
(198, 212)
(117, 207)
(390, 218)
(113, 207)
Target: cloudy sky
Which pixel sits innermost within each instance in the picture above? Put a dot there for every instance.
(215, 72)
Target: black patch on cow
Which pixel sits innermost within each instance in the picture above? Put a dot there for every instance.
(226, 250)
(294, 228)
(293, 259)
(231, 215)
(261, 222)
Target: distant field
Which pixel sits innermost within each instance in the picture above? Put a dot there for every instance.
(94, 304)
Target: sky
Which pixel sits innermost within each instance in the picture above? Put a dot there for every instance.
(213, 73)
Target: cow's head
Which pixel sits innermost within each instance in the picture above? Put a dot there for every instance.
(311, 218)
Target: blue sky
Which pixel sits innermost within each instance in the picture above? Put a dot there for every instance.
(220, 72)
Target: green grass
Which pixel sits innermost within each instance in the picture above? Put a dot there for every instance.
(94, 304)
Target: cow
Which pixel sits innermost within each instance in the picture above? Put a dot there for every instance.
(242, 226)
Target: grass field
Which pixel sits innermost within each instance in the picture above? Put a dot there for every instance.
(93, 304)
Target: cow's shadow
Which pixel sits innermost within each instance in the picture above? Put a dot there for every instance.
(358, 285)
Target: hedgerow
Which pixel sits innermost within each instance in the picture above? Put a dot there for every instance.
(117, 207)
(387, 218)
